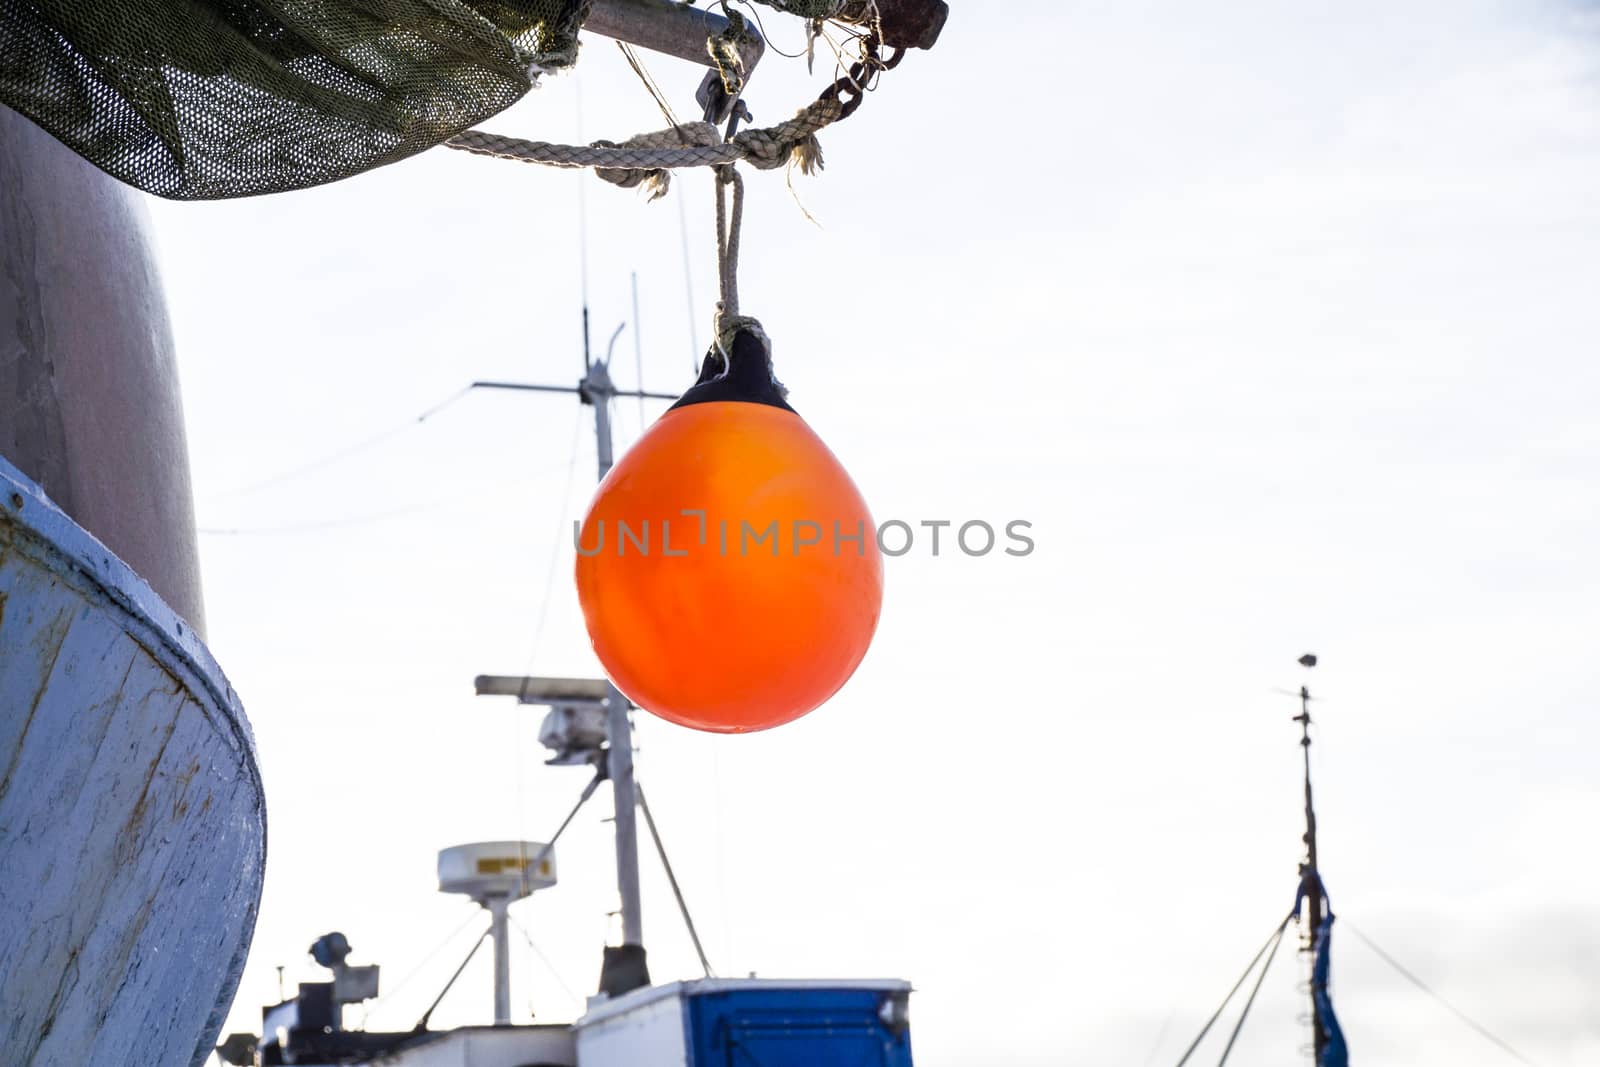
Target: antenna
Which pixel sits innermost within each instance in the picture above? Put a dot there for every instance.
(1310, 876)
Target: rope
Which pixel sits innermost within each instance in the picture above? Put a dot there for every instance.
(728, 233)
(1270, 943)
(729, 227)
(1244, 1013)
(645, 159)
(1420, 984)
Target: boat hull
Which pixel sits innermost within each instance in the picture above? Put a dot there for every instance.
(132, 818)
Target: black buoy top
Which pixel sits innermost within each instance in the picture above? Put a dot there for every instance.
(746, 376)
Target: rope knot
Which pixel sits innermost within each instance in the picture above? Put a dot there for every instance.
(792, 141)
(656, 180)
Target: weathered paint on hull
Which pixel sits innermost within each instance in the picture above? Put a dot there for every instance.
(132, 819)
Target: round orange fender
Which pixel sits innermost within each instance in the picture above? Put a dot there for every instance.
(728, 567)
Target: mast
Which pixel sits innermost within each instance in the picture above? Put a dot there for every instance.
(597, 391)
(1310, 877)
(625, 966)
(499, 920)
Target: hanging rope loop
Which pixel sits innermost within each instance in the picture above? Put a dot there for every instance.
(730, 224)
(729, 322)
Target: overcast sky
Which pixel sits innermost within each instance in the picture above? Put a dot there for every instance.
(1278, 323)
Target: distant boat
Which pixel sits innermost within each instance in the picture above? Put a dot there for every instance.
(1328, 1046)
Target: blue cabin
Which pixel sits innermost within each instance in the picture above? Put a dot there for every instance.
(751, 1022)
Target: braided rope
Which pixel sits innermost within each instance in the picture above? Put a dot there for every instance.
(729, 321)
(599, 156)
(728, 233)
(646, 158)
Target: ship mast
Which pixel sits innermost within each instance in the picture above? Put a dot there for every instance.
(1310, 876)
(597, 391)
(625, 966)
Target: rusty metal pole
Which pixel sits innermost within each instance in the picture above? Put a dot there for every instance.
(670, 28)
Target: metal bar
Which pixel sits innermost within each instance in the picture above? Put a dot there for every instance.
(502, 960)
(540, 690)
(624, 792)
(619, 731)
(670, 28)
(525, 387)
(549, 846)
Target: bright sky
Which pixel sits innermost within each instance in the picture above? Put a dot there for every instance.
(1276, 321)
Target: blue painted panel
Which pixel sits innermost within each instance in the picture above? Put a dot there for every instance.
(794, 1028)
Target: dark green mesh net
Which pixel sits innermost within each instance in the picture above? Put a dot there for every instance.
(205, 99)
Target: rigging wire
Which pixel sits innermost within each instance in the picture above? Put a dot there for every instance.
(538, 631)
(420, 967)
(729, 941)
(638, 348)
(1270, 943)
(1482, 1031)
(1160, 1036)
(649, 83)
(364, 519)
(583, 223)
(537, 951)
(422, 1023)
(347, 451)
(688, 287)
(315, 526)
(1244, 1013)
(672, 880)
(762, 29)
(555, 547)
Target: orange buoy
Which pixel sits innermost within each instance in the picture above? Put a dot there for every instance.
(728, 567)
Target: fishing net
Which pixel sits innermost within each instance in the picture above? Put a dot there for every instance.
(207, 99)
